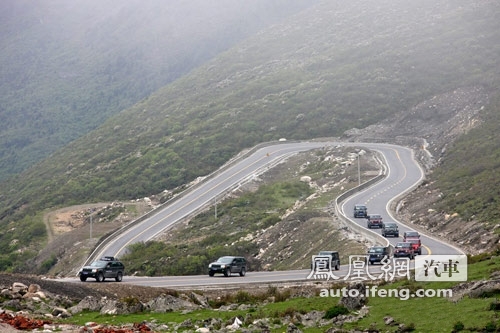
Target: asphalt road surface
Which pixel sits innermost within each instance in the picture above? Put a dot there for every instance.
(403, 175)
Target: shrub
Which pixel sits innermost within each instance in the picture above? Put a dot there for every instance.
(490, 327)
(130, 300)
(243, 297)
(47, 264)
(458, 326)
(335, 311)
(495, 305)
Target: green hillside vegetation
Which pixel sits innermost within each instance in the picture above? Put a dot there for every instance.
(69, 66)
(469, 173)
(333, 67)
(206, 239)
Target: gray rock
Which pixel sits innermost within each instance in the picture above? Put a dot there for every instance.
(167, 303)
(199, 299)
(89, 303)
(61, 313)
(18, 287)
(117, 307)
(291, 328)
(389, 321)
(354, 303)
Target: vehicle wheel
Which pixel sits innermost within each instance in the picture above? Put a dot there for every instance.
(368, 226)
(227, 272)
(337, 267)
(83, 278)
(99, 277)
(397, 235)
(210, 273)
(419, 252)
(243, 272)
(119, 277)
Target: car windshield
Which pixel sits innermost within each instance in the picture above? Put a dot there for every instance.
(402, 244)
(225, 260)
(390, 225)
(373, 216)
(414, 241)
(412, 234)
(376, 250)
(99, 264)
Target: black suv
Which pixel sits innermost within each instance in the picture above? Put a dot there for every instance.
(360, 210)
(227, 265)
(328, 255)
(378, 253)
(106, 267)
(390, 229)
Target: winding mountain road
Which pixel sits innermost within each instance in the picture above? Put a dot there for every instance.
(403, 174)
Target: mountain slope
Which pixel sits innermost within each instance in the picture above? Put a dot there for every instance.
(333, 67)
(68, 66)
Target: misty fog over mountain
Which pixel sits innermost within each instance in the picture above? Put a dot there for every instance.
(69, 65)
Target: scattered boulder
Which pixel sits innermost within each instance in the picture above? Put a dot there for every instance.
(199, 299)
(166, 303)
(357, 302)
(89, 303)
(389, 320)
(18, 287)
(291, 328)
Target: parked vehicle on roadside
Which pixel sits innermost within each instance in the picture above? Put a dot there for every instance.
(360, 210)
(106, 267)
(390, 229)
(228, 265)
(374, 221)
(404, 249)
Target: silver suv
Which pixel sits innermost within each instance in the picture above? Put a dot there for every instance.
(227, 265)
